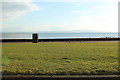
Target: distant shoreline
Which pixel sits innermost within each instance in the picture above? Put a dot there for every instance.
(61, 40)
(59, 35)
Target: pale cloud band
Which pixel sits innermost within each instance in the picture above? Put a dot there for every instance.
(10, 10)
(59, 0)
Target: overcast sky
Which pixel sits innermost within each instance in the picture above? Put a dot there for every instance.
(59, 15)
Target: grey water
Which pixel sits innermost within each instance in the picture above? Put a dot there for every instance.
(59, 35)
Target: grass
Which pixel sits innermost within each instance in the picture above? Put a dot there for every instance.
(5, 60)
(60, 58)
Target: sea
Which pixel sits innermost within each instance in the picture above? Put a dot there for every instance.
(60, 35)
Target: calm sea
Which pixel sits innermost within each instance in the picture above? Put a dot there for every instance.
(58, 35)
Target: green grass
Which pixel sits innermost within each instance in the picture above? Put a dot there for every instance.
(5, 60)
(61, 58)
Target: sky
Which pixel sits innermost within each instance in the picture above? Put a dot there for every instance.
(59, 15)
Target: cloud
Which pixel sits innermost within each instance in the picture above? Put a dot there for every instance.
(75, 0)
(76, 11)
(61, 0)
(11, 10)
(103, 17)
(15, 0)
(80, 11)
(106, 23)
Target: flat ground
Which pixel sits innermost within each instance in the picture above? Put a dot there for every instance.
(60, 58)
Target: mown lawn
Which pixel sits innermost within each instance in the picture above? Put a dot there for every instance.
(60, 58)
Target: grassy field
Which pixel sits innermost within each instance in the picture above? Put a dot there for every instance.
(60, 58)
